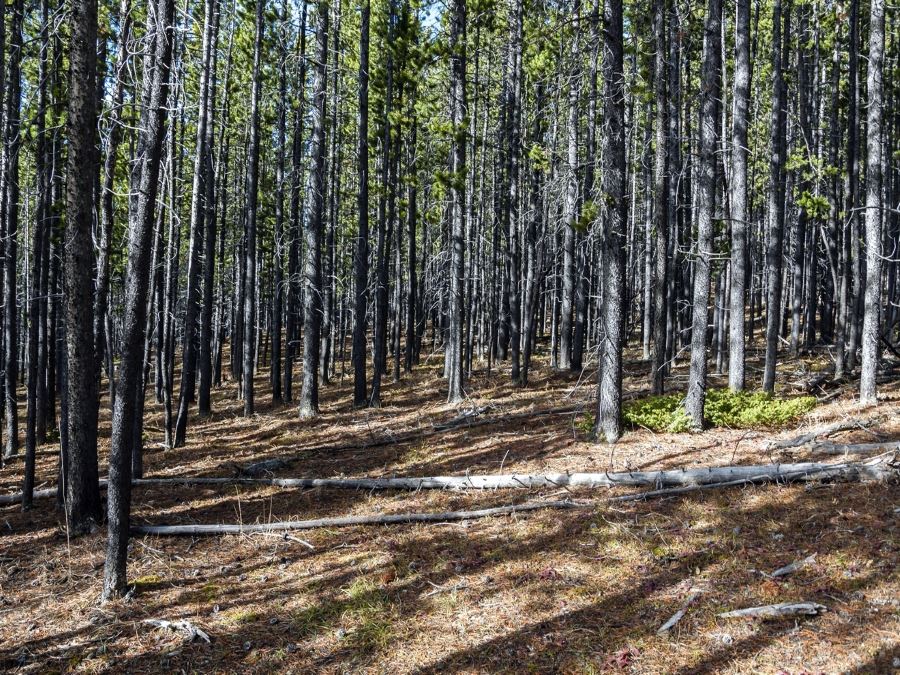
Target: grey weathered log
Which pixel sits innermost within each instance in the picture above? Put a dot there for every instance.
(681, 480)
(349, 521)
(833, 428)
(831, 448)
(782, 609)
(793, 567)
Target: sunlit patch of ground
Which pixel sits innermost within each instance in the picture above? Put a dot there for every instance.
(553, 591)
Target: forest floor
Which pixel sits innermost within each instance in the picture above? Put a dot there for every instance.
(581, 590)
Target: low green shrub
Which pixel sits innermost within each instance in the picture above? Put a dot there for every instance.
(724, 408)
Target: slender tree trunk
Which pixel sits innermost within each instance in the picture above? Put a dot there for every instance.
(205, 380)
(312, 225)
(457, 198)
(661, 200)
(570, 208)
(39, 234)
(875, 169)
(9, 193)
(738, 195)
(706, 195)
(249, 346)
(776, 205)
(361, 250)
(278, 251)
(199, 207)
(293, 289)
(107, 213)
(129, 408)
(513, 116)
(614, 215)
(81, 484)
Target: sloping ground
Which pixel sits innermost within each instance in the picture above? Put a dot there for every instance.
(554, 591)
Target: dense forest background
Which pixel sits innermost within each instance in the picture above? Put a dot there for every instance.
(280, 195)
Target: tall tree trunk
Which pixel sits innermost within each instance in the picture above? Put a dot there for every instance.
(457, 198)
(570, 204)
(361, 250)
(199, 207)
(614, 221)
(661, 199)
(706, 196)
(875, 168)
(513, 115)
(82, 488)
(293, 289)
(9, 194)
(40, 232)
(205, 379)
(312, 224)
(738, 196)
(129, 402)
(249, 350)
(107, 212)
(776, 206)
(278, 249)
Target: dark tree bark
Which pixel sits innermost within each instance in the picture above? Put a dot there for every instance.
(199, 207)
(457, 198)
(614, 215)
(39, 234)
(706, 195)
(82, 488)
(107, 211)
(209, 222)
(570, 204)
(776, 205)
(361, 250)
(513, 114)
(9, 195)
(385, 222)
(129, 403)
(312, 224)
(296, 210)
(278, 248)
(661, 199)
(738, 196)
(875, 169)
(252, 212)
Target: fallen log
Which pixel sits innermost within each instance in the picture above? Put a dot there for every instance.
(810, 436)
(349, 521)
(782, 609)
(832, 448)
(877, 469)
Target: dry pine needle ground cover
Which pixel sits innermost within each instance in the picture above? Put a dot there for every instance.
(552, 591)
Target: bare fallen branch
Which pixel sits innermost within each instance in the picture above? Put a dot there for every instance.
(284, 536)
(833, 428)
(191, 632)
(782, 609)
(793, 567)
(831, 448)
(677, 616)
(348, 521)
